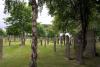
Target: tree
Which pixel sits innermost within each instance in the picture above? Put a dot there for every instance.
(77, 10)
(13, 30)
(34, 5)
(9, 4)
(20, 18)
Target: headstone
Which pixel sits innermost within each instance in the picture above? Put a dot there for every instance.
(9, 39)
(55, 44)
(78, 48)
(58, 39)
(45, 41)
(61, 40)
(41, 41)
(67, 49)
(1, 47)
(64, 41)
(48, 40)
(91, 44)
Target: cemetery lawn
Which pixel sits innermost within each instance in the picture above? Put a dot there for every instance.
(17, 56)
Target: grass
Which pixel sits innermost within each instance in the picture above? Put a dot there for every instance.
(16, 56)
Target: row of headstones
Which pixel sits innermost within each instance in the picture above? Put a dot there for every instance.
(47, 40)
(90, 50)
(59, 40)
(54, 40)
(91, 44)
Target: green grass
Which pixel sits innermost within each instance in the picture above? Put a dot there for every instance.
(16, 56)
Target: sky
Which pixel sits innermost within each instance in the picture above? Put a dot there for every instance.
(2, 15)
(44, 17)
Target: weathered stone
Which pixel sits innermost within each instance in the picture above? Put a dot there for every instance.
(55, 44)
(78, 48)
(61, 40)
(91, 44)
(41, 41)
(67, 50)
(1, 47)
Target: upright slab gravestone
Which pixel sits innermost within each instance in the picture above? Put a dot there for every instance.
(67, 49)
(1, 47)
(91, 46)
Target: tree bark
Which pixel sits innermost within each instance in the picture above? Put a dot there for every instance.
(83, 9)
(34, 34)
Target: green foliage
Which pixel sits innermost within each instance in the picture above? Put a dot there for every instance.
(64, 18)
(40, 30)
(2, 32)
(67, 14)
(10, 4)
(20, 17)
(94, 22)
(50, 31)
(45, 30)
(13, 30)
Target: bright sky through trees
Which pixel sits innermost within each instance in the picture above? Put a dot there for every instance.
(44, 17)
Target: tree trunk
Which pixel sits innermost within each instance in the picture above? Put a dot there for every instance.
(1, 47)
(83, 9)
(34, 34)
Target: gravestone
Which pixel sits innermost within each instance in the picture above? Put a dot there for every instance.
(90, 50)
(1, 47)
(58, 39)
(67, 49)
(48, 40)
(55, 44)
(64, 41)
(45, 41)
(41, 41)
(78, 47)
(9, 39)
(61, 40)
